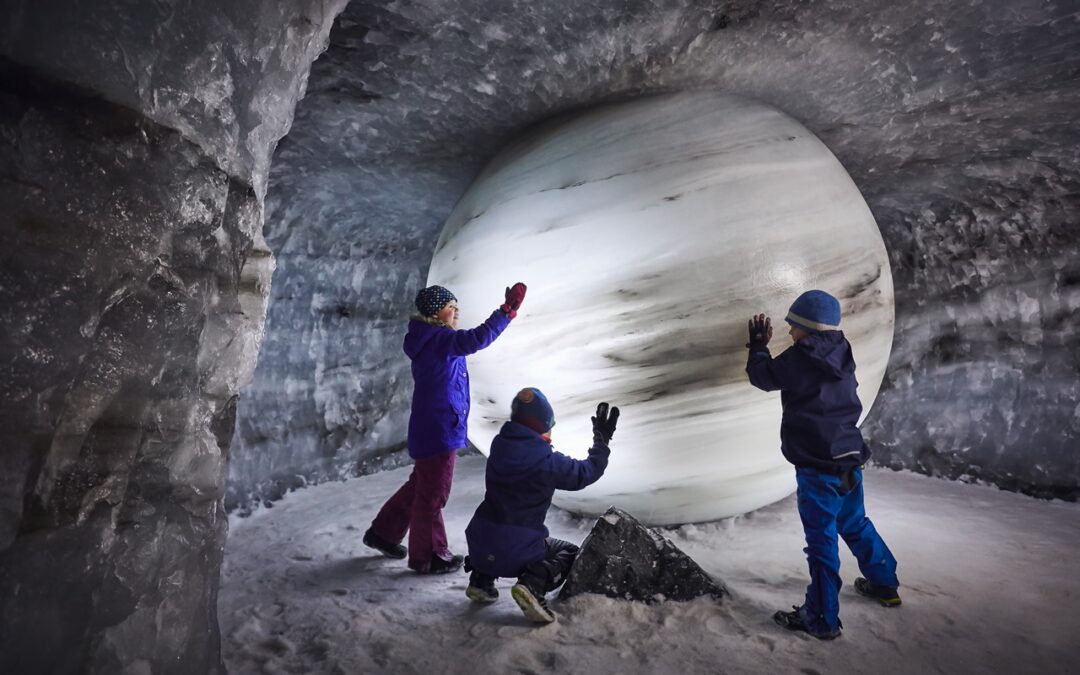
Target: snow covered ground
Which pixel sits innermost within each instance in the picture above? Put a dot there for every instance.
(990, 583)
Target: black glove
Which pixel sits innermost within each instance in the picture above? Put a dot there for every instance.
(760, 327)
(603, 425)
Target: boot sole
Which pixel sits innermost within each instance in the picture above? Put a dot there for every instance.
(396, 554)
(884, 602)
(802, 629)
(528, 604)
(477, 595)
(441, 570)
(389, 554)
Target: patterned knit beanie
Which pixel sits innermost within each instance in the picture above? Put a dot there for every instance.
(432, 299)
(815, 311)
(531, 408)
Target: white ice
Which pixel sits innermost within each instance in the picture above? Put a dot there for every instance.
(989, 578)
(648, 233)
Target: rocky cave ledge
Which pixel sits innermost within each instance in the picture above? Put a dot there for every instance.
(136, 177)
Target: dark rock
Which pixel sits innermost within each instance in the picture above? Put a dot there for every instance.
(621, 558)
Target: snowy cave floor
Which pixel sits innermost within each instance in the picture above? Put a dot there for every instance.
(989, 582)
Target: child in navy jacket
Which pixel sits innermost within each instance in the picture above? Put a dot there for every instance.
(816, 379)
(507, 536)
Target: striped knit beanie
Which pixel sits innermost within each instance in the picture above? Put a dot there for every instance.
(431, 299)
(531, 408)
(815, 311)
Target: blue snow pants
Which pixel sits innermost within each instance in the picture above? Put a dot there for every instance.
(827, 510)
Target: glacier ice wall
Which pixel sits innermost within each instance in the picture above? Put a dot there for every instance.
(957, 122)
(134, 141)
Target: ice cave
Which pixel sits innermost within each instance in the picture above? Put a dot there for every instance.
(216, 217)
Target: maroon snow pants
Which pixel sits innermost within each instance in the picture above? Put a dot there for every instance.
(416, 508)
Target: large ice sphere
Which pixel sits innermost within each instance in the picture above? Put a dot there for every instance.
(648, 232)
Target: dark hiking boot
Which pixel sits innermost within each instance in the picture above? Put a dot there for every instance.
(886, 595)
(532, 602)
(794, 621)
(482, 589)
(383, 546)
(442, 566)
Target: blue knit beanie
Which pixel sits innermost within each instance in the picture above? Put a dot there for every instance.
(815, 311)
(531, 408)
(431, 299)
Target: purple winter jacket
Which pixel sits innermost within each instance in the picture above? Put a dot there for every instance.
(440, 402)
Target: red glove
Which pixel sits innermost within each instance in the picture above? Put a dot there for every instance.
(514, 296)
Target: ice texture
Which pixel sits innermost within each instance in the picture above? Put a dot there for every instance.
(956, 121)
(227, 76)
(648, 233)
(134, 144)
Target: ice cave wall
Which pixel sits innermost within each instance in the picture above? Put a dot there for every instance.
(956, 120)
(134, 145)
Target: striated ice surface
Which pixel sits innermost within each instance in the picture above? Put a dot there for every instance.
(648, 232)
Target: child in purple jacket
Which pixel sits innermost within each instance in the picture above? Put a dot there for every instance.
(507, 536)
(440, 409)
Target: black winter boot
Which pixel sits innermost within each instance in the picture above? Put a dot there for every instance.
(388, 549)
(886, 595)
(482, 588)
(442, 566)
(528, 593)
(795, 621)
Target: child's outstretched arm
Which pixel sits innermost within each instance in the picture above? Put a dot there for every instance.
(574, 474)
(765, 372)
(465, 342)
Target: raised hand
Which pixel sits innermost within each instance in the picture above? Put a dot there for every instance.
(760, 328)
(514, 295)
(603, 424)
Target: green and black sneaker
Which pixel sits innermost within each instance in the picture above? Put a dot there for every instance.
(481, 589)
(532, 603)
(886, 595)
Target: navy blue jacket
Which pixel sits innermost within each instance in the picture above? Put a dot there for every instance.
(507, 531)
(440, 401)
(816, 379)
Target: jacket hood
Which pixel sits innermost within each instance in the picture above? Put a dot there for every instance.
(418, 335)
(829, 351)
(517, 448)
